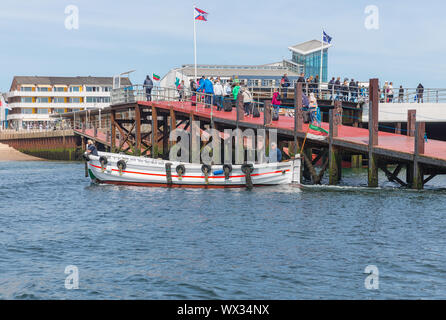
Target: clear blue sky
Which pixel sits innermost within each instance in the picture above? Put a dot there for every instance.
(155, 36)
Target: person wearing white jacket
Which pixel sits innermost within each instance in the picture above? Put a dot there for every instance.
(247, 101)
(218, 95)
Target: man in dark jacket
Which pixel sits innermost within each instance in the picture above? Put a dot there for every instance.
(401, 94)
(148, 85)
(337, 88)
(285, 83)
(420, 91)
(330, 87)
(301, 78)
(353, 90)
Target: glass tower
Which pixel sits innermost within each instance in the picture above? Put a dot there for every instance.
(312, 63)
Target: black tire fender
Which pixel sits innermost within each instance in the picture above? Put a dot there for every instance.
(229, 166)
(103, 160)
(121, 165)
(86, 157)
(180, 169)
(206, 168)
(247, 168)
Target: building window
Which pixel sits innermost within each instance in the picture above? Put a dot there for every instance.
(98, 100)
(42, 100)
(27, 99)
(42, 111)
(93, 89)
(58, 100)
(74, 89)
(75, 100)
(43, 89)
(59, 89)
(58, 110)
(27, 110)
(106, 89)
(26, 89)
(267, 82)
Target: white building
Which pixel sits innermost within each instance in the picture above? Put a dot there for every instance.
(33, 99)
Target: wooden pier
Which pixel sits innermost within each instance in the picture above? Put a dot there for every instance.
(133, 130)
(143, 127)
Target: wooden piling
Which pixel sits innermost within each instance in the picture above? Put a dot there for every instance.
(418, 175)
(267, 113)
(113, 130)
(373, 133)
(154, 132)
(411, 119)
(334, 158)
(137, 150)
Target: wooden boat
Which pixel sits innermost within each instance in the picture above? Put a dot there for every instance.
(112, 168)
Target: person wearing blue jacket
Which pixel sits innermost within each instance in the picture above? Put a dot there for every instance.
(208, 89)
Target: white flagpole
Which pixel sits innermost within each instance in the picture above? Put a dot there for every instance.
(195, 46)
(322, 56)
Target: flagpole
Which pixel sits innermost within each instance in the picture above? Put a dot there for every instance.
(322, 56)
(195, 46)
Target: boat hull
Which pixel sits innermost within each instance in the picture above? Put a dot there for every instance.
(148, 172)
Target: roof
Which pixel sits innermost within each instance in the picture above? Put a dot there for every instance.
(38, 80)
(239, 71)
(309, 47)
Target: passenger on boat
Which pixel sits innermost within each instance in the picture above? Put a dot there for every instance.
(275, 155)
(91, 149)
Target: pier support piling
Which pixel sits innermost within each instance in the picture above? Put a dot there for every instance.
(373, 133)
(418, 175)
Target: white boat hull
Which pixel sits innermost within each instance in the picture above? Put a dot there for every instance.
(141, 171)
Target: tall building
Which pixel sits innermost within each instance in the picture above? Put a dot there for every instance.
(33, 99)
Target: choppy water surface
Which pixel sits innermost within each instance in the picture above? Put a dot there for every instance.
(269, 243)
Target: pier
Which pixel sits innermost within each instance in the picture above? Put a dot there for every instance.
(133, 130)
(136, 126)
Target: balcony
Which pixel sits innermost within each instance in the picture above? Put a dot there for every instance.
(58, 105)
(12, 94)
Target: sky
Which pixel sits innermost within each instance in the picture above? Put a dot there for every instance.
(153, 36)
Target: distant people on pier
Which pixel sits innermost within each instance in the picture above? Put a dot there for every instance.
(218, 95)
(285, 83)
(401, 95)
(228, 88)
(330, 87)
(235, 90)
(148, 85)
(276, 102)
(420, 92)
(337, 88)
(181, 90)
(247, 101)
(390, 92)
(207, 87)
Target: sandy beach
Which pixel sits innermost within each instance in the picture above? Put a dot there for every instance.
(10, 154)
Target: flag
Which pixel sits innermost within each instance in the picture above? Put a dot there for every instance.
(202, 15)
(156, 77)
(327, 38)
